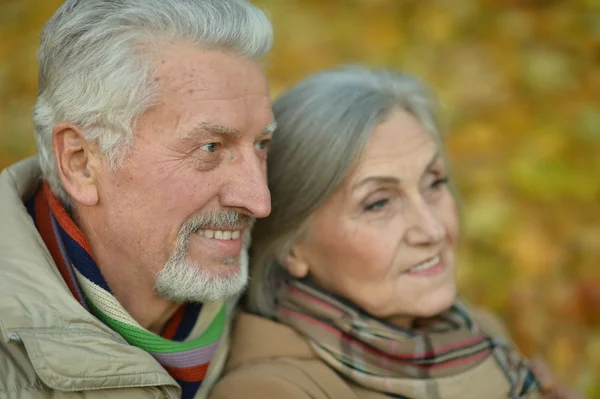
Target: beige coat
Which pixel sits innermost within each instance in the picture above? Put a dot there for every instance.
(271, 360)
(50, 346)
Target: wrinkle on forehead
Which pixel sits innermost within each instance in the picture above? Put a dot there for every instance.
(196, 85)
(400, 144)
(188, 70)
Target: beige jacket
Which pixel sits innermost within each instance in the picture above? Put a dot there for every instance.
(271, 360)
(50, 346)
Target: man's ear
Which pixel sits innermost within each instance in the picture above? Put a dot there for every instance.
(296, 264)
(75, 162)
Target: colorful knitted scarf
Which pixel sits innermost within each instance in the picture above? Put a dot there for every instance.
(184, 353)
(444, 357)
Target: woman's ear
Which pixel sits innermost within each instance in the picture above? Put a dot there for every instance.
(295, 263)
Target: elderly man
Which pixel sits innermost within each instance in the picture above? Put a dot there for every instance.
(123, 243)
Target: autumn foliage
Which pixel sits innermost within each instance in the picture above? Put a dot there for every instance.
(519, 88)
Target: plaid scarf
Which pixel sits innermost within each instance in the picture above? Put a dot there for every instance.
(183, 352)
(443, 357)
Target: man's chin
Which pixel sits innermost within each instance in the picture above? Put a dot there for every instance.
(191, 283)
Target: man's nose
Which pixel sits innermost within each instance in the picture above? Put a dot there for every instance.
(247, 188)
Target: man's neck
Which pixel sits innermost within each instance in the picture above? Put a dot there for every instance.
(134, 292)
(150, 311)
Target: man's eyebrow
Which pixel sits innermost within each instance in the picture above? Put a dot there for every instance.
(220, 129)
(269, 129)
(217, 129)
(204, 127)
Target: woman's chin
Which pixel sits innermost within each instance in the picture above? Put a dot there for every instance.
(436, 303)
(428, 305)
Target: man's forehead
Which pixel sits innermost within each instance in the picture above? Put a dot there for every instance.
(212, 92)
(182, 62)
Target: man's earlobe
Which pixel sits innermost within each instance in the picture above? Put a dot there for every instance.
(74, 159)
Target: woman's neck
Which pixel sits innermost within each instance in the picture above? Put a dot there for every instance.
(405, 322)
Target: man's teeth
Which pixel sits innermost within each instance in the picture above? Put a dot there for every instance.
(426, 265)
(220, 234)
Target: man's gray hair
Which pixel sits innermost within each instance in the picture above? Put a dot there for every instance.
(323, 124)
(96, 64)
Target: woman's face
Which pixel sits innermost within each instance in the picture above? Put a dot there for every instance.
(385, 240)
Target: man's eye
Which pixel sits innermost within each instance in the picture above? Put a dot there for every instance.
(263, 144)
(210, 147)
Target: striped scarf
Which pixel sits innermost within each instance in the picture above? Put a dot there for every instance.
(444, 357)
(183, 351)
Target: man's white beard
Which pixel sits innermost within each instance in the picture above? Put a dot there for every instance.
(181, 280)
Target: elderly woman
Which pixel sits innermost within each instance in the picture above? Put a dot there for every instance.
(353, 291)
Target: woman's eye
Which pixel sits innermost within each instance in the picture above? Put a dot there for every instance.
(439, 182)
(210, 147)
(375, 206)
(263, 144)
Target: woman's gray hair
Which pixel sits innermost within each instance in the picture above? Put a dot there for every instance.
(323, 124)
(96, 64)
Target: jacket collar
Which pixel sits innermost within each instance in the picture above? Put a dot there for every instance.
(37, 308)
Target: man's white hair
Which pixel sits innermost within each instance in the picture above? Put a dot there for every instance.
(96, 64)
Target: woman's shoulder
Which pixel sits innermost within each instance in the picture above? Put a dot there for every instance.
(491, 323)
(271, 360)
(282, 378)
(255, 338)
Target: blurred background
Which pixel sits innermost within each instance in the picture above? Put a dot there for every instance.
(519, 88)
